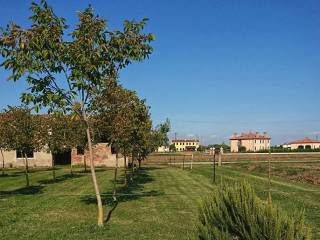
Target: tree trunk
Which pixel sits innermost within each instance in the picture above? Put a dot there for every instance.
(53, 167)
(26, 170)
(269, 177)
(115, 178)
(132, 161)
(2, 161)
(93, 173)
(85, 163)
(125, 168)
(139, 160)
(71, 170)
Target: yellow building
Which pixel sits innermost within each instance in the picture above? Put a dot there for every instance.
(186, 144)
(252, 142)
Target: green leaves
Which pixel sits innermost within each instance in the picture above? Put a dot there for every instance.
(235, 212)
(24, 132)
(62, 72)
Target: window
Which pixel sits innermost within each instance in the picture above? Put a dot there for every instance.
(21, 155)
(80, 150)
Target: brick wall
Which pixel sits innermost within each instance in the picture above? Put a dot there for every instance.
(198, 157)
(102, 156)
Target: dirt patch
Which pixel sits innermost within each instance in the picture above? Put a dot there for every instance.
(309, 177)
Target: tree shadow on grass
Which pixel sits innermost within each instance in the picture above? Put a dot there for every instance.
(133, 191)
(60, 179)
(10, 174)
(32, 190)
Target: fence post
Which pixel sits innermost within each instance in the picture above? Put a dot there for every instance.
(214, 168)
(191, 161)
(183, 161)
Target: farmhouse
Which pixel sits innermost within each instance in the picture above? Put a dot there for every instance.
(186, 144)
(305, 143)
(35, 159)
(249, 142)
(102, 154)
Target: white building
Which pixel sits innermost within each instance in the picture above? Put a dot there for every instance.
(163, 149)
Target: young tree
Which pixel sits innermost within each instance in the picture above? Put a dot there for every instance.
(151, 139)
(172, 148)
(25, 134)
(64, 133)
(116, 110)
(4, 131)
(64, 74)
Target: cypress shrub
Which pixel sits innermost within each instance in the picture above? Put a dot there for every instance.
(236, 212)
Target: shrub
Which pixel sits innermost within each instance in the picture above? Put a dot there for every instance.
(235, 212)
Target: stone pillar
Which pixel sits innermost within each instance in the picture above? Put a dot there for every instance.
(219, 156)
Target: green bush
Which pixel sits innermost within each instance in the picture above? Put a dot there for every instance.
(235, 212)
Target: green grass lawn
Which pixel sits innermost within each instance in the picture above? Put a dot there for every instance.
(162, 202)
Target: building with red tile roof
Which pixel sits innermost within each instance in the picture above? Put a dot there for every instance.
(305, 143)
(251, 141)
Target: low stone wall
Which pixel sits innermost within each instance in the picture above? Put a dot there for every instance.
(102, 156)
(198, 157)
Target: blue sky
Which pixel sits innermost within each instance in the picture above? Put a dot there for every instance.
(218, 66)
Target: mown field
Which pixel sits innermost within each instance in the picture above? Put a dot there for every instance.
(161, 203)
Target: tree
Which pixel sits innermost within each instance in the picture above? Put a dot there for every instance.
(122, 120)
(64, 74)
(4, 141)
(201, 148)
(64, 133)
(154, 138)
(140, 132)
(113, 116)
(25, 134)
(160, 135)
(172, 148)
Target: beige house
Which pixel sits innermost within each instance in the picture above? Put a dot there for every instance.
(305, 143)
(35, 159)
(102, 153)
(252, 142)
(186, 144)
